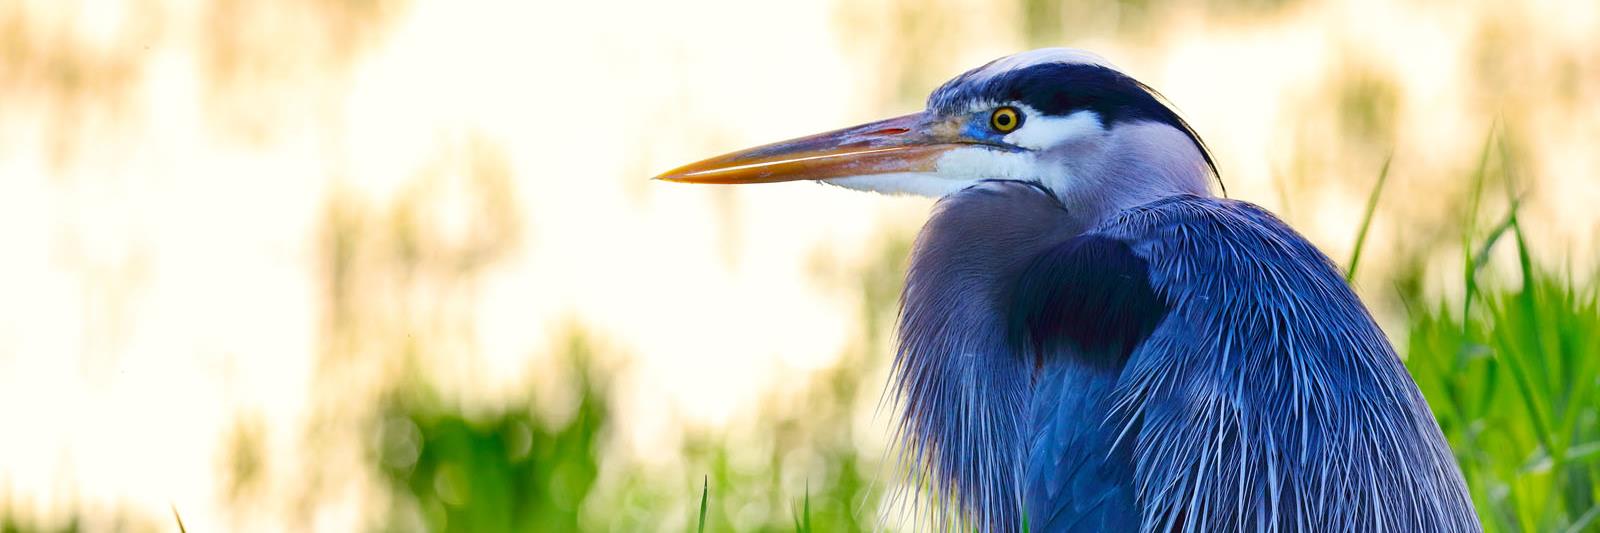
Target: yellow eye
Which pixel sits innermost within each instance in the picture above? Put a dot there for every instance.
(1005, 119)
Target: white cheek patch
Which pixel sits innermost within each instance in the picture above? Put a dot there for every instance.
(973, 164)
(1042, 132)
(911, 183)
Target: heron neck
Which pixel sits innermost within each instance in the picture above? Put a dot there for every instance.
(954, 368)
(1127, 166)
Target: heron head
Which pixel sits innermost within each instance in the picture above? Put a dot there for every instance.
(1062, 118)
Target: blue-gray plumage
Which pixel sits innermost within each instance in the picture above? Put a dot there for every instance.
(1089, 341)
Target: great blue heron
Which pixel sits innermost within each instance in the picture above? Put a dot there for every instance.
(1089, 340)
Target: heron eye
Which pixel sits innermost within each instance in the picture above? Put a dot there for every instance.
(1005, 119)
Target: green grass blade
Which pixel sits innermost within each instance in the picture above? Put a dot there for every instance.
(1524, 386)
(705, 490)
(1500, 229)
(1582, 523)
(1578, 453)
(1470, 227)
(1545, 335)
(1537, 382)
(1366, 220)
(807, 507)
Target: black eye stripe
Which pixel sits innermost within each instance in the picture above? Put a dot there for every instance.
(1059, 89)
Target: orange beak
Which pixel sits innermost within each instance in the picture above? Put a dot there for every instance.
(911, 143)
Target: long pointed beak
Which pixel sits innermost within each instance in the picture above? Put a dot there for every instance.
(911, 143)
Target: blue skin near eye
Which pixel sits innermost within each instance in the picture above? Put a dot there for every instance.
(978, 128)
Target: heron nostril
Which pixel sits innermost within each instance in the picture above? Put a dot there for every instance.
(889, 131)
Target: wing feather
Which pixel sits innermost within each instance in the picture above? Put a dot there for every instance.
(1200, 366)
(1269, 398)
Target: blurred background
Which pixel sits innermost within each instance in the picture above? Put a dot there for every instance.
(396, 265)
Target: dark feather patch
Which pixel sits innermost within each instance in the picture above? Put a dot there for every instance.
(1092, 292)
